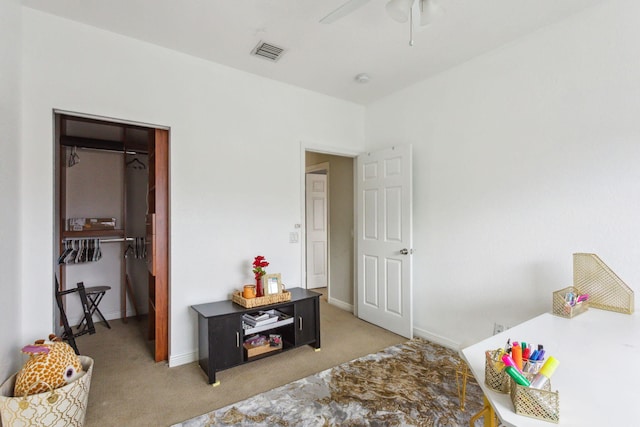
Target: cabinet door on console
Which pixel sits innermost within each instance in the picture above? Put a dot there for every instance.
(226, 341)
(306, 322)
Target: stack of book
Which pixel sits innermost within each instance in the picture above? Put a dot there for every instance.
(260, 318)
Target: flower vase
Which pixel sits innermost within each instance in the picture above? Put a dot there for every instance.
(259, 291)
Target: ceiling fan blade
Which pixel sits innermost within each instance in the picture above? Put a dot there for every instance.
(343, 10)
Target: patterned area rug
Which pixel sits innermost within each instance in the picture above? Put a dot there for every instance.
(413, 384)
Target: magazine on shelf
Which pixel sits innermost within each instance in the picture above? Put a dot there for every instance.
(260, 318)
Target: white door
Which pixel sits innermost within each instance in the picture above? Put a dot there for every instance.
(384, 239)
(316, 200)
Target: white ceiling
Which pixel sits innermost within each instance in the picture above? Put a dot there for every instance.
(321, 57)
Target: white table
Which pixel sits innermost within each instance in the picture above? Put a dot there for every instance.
(597, 379)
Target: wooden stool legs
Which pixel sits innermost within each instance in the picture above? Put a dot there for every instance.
(94, 296)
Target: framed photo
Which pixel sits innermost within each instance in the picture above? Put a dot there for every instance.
(272, 284)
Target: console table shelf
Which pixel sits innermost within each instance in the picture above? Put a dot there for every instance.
(221, 334)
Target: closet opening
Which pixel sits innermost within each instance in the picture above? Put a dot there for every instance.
(112, 221)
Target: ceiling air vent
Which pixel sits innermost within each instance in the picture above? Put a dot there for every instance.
(267, 51)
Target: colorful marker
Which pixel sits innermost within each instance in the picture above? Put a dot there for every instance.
(517, 376)
(516, 354)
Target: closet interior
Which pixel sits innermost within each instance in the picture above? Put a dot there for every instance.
(112, 220)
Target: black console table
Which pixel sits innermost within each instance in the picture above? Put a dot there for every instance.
(221, 334)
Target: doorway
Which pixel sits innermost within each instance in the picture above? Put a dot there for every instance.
(316, 222)
(115, 172)
(383, 217)
(339, 274)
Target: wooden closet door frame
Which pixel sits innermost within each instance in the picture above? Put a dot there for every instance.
(160, 139)
(161, 261)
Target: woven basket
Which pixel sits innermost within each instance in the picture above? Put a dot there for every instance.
(61, 407)
(260, 301)
(494, 376)
(542, 404)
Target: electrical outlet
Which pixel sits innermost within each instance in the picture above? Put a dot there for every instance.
(497, 328)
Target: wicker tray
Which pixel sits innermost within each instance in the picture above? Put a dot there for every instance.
(260, 301)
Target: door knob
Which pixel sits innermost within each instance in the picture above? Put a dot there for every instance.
(406, 251)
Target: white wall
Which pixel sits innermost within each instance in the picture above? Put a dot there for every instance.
(235, 157)
(10, 259)
(522, 157)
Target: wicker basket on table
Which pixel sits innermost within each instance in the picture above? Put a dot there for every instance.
(260, 301)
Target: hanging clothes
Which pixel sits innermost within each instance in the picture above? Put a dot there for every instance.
(140, 248)
(77, 251)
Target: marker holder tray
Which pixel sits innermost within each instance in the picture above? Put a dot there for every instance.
(542, 404)
(562, 309)
(494, 376)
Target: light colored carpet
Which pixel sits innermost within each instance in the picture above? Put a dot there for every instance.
(129, 389)
(411, 384)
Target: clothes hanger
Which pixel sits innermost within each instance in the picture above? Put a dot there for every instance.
(74, 159)
(136, 164)
(129, 248)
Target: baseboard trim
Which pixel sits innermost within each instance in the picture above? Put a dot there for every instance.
(183, 359)
(438, 339)
(340, 304)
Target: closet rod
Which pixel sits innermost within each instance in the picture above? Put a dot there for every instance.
(133, 153)
(119, 239)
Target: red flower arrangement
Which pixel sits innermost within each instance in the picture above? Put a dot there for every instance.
(259, 263)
